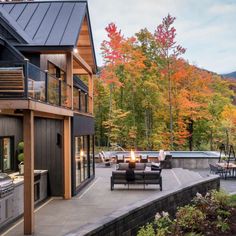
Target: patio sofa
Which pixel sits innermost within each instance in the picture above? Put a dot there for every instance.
(142, 174)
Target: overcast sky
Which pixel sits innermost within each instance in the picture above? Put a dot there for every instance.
(207, 28)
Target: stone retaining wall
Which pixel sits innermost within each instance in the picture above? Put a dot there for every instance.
(127, 221)
(193, 163)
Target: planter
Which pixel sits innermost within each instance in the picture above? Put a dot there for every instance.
(21, 168)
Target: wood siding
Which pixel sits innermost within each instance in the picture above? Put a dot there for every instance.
(49, 152)
(12, 126)
(58, 60)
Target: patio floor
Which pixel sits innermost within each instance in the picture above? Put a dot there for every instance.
(59, 217)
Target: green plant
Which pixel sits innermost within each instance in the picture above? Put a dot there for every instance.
(233, 200)
(223, 213)
(222, 224)
(221, 198)
(193, 234)
(20, 148)
(190, 218)
(163, 223)
(147, 230)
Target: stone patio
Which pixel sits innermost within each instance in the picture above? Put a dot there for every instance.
(60, 217)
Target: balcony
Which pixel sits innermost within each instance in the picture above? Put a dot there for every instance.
(23, 80)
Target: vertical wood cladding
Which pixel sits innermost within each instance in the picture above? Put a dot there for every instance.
(12, 126)
(49, 152)
(58, 60)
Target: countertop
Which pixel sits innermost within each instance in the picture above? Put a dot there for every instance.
(19, 179)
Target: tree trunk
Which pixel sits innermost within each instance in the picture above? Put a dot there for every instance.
(109, 117)
(170, 104)
(190, 135)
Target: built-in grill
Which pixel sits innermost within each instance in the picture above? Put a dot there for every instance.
(6, 185)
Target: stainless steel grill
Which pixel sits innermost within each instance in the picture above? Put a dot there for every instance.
(6, 185)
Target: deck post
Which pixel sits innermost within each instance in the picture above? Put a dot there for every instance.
(28, 130)
(67, 158)
(69, 77)
(46, 86)
(90, 93)
(26, 74)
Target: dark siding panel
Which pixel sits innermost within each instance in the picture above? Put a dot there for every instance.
(77, 16)
(36, 19)
(34, 58)
(7, 35)
(60, 24)
(12, 126)
(48, 155)
(17, 10)
(26, 15)
(47, 23)
(83, 125)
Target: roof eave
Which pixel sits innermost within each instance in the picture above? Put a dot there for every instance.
(43, 48)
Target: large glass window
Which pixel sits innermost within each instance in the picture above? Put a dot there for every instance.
(91, 155)
(6, 154)
(83, 158)
(54, 88)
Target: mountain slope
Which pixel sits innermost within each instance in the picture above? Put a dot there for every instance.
(230, 75)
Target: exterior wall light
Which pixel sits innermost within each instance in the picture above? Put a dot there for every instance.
(75, 50)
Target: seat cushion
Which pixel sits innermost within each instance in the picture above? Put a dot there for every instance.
(123, 166)
(140, 166)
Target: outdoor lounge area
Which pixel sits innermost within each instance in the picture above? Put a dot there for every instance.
(137, 173)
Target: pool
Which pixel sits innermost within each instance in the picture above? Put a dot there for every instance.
(180, 159)
(175, 154)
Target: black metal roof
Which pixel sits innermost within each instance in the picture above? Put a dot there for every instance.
(49, 23)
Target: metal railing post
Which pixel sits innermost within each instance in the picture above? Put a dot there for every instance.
(46, 85)
(26, 72)
(59, 91)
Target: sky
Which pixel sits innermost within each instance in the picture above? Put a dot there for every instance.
(206, 28)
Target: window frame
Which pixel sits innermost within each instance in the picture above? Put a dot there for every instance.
(12, 151)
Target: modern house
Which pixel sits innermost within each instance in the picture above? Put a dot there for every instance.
(47, 63)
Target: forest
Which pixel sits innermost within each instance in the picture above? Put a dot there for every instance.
(147, 97)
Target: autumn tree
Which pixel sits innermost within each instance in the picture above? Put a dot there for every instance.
(165, 35)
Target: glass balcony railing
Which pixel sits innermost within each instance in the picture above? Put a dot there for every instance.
(25, 80)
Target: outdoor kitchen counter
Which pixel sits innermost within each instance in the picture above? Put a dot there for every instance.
(13, 204)
(19, 179)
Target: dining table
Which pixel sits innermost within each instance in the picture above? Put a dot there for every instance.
(228, 166)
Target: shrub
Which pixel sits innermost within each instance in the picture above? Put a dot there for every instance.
(222, 224)
(147, 230)
(221, 198)
(189, 218)
(163, 223)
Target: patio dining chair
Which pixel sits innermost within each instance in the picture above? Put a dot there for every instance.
(223, 172)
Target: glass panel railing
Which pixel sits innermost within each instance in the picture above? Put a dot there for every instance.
(90, 106)
(81, 101)
(76, 99)
(65, 94)
(53, 90)
(36, 83)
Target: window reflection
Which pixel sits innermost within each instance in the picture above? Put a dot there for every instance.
(6, 154)
(83, 158)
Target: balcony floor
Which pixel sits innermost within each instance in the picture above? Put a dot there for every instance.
(96, 202)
